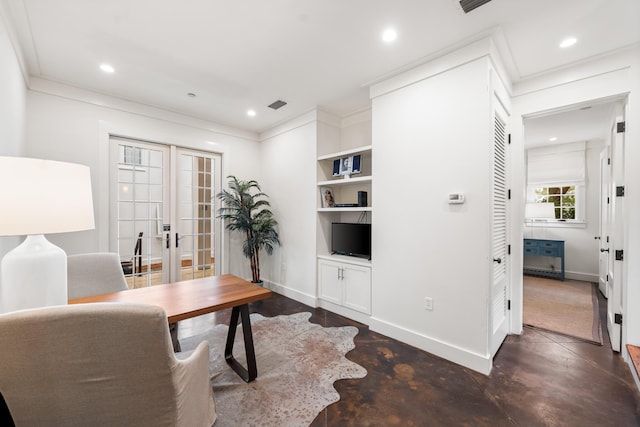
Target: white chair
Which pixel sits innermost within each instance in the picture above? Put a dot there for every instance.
(85, 364)
(94, 274)
(101, 273)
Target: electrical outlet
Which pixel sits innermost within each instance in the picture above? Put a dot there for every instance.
(428, 303)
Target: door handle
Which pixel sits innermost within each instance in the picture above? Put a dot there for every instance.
(498, 260)
(177, 239)
(604, 250)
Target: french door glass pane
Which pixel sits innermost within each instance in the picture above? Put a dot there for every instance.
(196, 216)
(139, 210)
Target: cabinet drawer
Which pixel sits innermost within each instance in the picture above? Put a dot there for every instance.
(530, 250)
(553, 251)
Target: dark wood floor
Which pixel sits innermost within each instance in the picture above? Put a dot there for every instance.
(538, 379)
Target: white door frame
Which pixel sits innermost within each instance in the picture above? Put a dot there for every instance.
(604, 218)
(616, 280)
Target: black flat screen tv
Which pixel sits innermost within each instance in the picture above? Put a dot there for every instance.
(352, 239)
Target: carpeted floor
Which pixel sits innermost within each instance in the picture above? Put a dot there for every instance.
(568, 307)
(298, 362)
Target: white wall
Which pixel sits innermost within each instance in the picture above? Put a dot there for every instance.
(613, 77)
(288, 156)
(12, 110)
(71, 125)
(581, 249)
(431, 138)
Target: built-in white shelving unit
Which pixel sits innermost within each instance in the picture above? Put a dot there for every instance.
(344, 282)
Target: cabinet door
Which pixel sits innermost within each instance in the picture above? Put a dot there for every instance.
(330, 281)
(357, 288)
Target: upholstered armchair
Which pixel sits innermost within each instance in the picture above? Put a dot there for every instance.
(101, 273)
(102, 364)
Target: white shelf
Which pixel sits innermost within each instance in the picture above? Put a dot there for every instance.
(351, 209)
(343, 181)
(346, 259)
(345, 153)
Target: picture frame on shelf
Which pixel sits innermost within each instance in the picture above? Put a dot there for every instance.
(326, 196)
(347, 165)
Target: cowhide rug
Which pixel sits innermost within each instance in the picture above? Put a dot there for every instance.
(298, 362)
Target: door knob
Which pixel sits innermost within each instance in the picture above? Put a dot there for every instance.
(604, 250)
(498, 260)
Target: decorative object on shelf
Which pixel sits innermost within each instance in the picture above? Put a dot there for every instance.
(245, 209)
(326, 195)
(40, 197)
(347, 165)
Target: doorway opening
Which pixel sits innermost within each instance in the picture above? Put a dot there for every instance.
(565, 213)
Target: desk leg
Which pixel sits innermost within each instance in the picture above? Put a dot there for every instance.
(251, 372)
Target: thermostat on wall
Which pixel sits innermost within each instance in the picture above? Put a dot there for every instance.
(456, 198)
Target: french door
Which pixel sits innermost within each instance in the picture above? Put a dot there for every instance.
(162, 211)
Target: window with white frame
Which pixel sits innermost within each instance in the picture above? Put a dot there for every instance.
(556, 175)
(562, 198)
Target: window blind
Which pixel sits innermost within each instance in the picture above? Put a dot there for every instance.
(557, 165)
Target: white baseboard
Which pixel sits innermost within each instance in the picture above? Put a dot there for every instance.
(474, 361)
(584, 277)
(466, 358)
(294, 294)
(344, 311)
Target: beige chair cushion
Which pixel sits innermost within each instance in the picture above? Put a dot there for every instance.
(100, 364)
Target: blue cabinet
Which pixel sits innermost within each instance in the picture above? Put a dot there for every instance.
(548, 248)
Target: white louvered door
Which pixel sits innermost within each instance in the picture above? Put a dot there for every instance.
(499, 321)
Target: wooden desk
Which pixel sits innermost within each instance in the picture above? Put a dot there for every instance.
(191, 298)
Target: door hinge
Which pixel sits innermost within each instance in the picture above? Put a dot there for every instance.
(509, 194)
(620, 191)
(508, 304)
(607, 279)
(508, 249)
(619, 255)
(621, 127)
(509, 139)
(609, 161)
(617, 318)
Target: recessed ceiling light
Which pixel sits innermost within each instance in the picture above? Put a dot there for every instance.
(553, 138)
(389, 35)
(251, 113)
(107, 68)
(568, 42)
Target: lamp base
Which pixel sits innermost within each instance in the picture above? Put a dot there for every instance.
(33, 275)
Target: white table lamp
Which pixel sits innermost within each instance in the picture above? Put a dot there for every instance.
(40, 197)
(540, 211)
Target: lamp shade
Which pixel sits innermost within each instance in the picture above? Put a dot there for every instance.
(540, 211)
(44, 197)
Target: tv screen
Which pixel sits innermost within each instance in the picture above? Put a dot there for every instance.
(351, 239)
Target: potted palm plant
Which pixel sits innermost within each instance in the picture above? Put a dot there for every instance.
(245, 209)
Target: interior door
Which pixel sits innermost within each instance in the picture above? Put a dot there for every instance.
(198, 182)
(499, 320)
(139, 202)
(603, 235)
(614, 301)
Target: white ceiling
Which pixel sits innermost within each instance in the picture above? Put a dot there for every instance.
(587, 122)
(245, 54)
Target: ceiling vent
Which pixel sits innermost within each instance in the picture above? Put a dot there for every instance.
(469, 5)
(278, 104)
